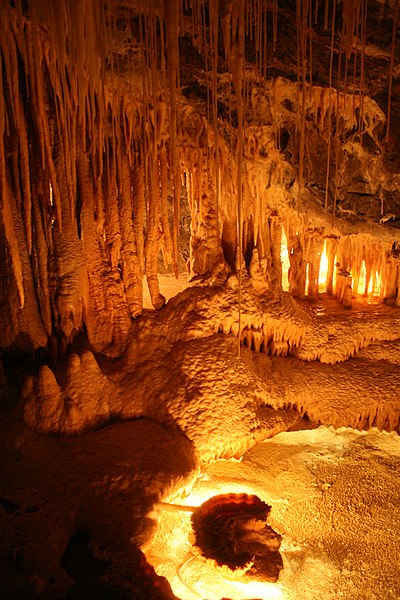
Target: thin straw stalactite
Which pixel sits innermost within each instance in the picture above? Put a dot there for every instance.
(171, 18)
(328, 161)
(214, 25)
(392, 57)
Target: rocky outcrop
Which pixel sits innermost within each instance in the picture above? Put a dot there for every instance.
(185, 367)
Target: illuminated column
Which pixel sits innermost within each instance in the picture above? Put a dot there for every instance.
(316, 247)
(331, 249)
(392, 269)
(276, 241)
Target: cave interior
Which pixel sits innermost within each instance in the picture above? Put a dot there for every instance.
(199, 254)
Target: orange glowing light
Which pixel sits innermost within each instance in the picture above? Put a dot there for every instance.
(285, 262)
(323, 270)
(191, 576)
(375, 282)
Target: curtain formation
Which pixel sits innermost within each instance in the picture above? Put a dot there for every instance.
(97, 143)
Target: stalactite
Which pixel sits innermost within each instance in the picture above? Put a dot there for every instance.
(153, 233)
(310, 38)
(275, 23)
(363, 14)
(112, 230)
(130, 265)
(298, 264)
(171, 15)
(139, 204)
(328, 161)
(41, 248)
(106, 316)
(226, 14)
(166, 233)
(237, 70)
(392, 268)
(69, 263)
(21, 135)
(392, 57)
(12, 241)
(302, 14)
(214, 26)
(339, 120)
(35, 67)
(356, 265)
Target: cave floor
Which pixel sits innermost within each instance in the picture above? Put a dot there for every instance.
(335, 500)
(335, 494)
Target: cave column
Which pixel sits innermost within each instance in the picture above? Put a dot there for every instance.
(297, 274)
(398, 286)
(205, 247)
(392, 271)
(275, 225)
(331, 248)
(315, 251)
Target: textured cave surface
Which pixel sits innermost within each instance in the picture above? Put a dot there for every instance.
(140, 141)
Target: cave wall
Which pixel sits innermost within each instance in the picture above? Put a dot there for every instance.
(266, 116)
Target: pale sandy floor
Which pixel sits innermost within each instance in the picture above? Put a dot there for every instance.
(336, 501)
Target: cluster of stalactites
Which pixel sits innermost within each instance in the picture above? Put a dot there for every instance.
(344, 267)
(85, 174)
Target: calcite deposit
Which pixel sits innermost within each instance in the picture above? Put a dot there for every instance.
(232, 530)
(249, 148)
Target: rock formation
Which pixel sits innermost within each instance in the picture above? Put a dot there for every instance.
(251, 147)
(232, 530)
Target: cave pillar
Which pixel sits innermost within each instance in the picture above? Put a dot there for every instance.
(391, 284)
(275, 225)
(297, 270)
(315, 251)
(257, 273)
(205, 248)
(263, 244)
(331, 249)
(398, 286)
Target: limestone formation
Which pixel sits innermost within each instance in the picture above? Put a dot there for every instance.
(251, 149)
